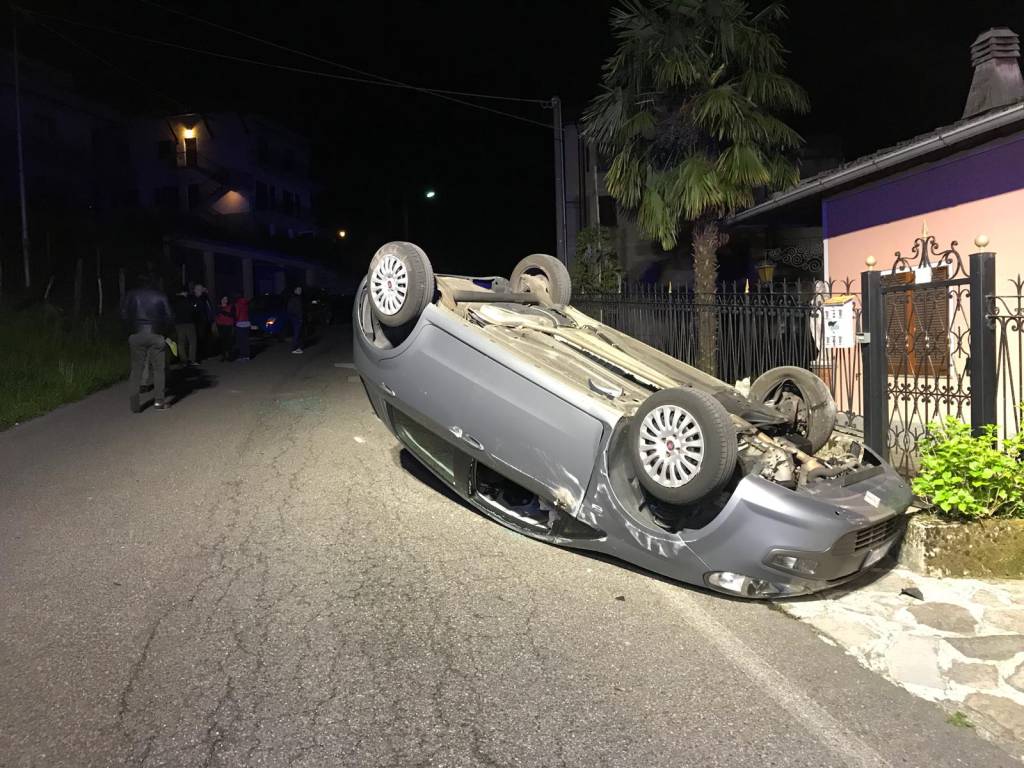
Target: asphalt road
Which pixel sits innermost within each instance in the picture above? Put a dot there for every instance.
(256, 577)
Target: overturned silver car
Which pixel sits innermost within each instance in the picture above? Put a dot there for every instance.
(568, 431)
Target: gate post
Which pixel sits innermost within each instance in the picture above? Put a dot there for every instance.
(984, 387)
(876, 368)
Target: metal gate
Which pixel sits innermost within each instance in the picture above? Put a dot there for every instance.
(928, 346)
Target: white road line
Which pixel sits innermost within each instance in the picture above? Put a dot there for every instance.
(822, 726)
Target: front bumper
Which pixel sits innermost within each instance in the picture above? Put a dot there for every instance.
(796, 542)
(780, 541)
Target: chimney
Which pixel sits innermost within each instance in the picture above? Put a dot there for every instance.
(997, 80)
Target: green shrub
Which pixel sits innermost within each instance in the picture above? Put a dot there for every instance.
(971, 477)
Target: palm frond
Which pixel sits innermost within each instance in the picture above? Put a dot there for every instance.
(782, 173)
(774, 134)
(625, 178)
(654, 217)
(742, 165)
(696, 187)
(774, 90)
(719, 110)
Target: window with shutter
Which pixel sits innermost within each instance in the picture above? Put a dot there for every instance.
(917, 324)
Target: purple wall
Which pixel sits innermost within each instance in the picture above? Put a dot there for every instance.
(981, 173)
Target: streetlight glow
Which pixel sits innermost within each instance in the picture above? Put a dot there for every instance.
(342, 233)
(190, 133)
(431, 194)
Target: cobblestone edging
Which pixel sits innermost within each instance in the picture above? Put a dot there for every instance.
(961, 646)
(989, 549)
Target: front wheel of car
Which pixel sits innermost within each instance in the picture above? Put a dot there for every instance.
(401, 283)
(802, 397)
(545, 277)
(682, 444)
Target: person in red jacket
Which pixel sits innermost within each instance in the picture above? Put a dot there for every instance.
(242, 328)
(225, 321)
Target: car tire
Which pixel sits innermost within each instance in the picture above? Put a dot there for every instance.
(544, 276)
(682, 444)
(401, 283)
(805, 390)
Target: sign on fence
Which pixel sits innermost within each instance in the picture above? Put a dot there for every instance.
(840, 322)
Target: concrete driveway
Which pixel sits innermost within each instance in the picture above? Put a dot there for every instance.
(258, 577)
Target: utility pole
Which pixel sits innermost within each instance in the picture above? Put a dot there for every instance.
(560, 233)
(21, 157)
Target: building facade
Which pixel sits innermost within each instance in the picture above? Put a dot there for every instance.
(224, 198)
(240, 172)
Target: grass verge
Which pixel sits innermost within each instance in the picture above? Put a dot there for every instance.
(47, 360)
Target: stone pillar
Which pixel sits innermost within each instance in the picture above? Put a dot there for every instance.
(247, 277)
(208, 274)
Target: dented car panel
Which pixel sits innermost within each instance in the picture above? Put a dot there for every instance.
(523, 411)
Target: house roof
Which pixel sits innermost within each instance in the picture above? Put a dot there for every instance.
(925, 147)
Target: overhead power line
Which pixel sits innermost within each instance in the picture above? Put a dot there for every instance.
(271, 65)
(120, 70)
(322, 60)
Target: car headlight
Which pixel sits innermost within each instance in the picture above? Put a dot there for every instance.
(747, 586)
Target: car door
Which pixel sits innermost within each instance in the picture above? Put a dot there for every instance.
(499, 417)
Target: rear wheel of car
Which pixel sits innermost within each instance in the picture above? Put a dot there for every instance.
(801, 396)
(545, 276)
(682, 444)
(401, 283)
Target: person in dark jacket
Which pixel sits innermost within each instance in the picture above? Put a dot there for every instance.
(295, 317)
(242, 326)
(184, 327)
(149, 316)
(202, 317)
(225, 321)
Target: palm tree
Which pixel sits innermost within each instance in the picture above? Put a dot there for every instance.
(686, 118)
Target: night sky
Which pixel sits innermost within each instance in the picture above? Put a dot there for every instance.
(877, 73)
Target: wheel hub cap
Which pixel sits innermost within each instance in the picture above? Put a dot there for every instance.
(671, 446)
(389, 285)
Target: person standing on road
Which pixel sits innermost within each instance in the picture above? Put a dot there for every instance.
(184, 327)
(202, 317)
(242, 327)
(149, 316)
(225, 321)
(295, 309)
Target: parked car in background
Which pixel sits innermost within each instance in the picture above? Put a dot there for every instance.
(319, 307)
(268, 316)
(569, 431)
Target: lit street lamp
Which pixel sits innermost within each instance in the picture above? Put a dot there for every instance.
(342, 234)
(431, 194)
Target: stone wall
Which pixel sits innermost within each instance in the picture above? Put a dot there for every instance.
(983, 549)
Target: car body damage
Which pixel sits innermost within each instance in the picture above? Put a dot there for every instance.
(564, 429)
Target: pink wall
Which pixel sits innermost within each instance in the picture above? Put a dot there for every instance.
(1001, 217)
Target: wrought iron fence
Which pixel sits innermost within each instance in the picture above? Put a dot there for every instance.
(1006, 313)
(759, 328)
(928, 357)
(922, 311)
